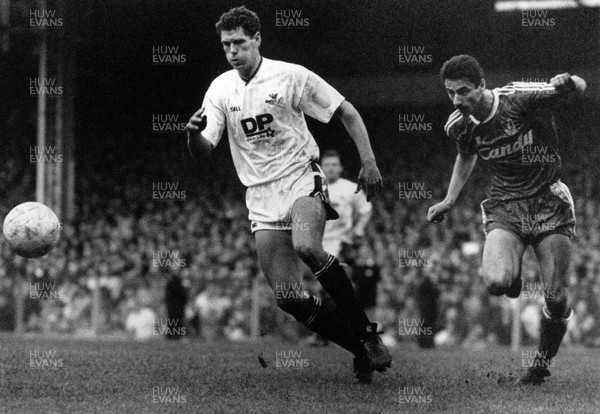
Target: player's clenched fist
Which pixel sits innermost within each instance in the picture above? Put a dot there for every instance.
(437, 212)
(563, 82)
(197, 145)
(369, 180)
(197, 122)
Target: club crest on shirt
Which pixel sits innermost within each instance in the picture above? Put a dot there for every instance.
(274, 100)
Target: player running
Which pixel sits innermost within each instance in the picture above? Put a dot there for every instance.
(513, 129)
(262, 103)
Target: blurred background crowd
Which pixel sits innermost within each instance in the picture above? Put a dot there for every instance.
(128, 242)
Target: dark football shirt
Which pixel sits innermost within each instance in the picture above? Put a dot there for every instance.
(518, 140)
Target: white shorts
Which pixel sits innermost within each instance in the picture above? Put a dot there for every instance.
(270, 204)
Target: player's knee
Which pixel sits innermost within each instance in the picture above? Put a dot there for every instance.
(299, 304)
(497, 282)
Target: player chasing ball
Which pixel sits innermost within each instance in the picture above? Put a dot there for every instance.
(509, 128)
(262, 103)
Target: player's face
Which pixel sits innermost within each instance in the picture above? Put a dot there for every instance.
(332, 167)
(465, 95)
(241, 50)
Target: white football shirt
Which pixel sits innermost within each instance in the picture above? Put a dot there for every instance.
(268, 135)
(348, 205)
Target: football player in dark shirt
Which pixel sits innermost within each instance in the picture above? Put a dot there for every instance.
(513, 130)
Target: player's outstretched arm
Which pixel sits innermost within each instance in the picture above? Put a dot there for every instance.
(198, 145)
(369, 178)
(463, 167)
(570, 84)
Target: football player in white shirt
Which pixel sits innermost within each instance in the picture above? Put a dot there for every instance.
(353, 208)
(262, 103)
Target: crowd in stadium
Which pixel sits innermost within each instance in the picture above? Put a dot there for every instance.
(129, 242)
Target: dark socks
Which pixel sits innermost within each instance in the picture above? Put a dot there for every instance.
(334, 280)
(552, 332)
(557, 309)
(326, 322)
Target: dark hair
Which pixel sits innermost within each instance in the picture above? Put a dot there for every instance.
(239, 17)
(462, 67)
(331, 153)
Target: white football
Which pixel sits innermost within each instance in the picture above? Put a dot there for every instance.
(31, 229)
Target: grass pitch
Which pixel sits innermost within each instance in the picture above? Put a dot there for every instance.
(41, 375)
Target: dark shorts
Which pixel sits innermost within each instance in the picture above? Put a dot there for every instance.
(321, 192)
(532, 219)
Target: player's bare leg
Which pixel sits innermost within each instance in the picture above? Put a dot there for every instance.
(308, 223)
(502, 259)
(281, 267)
(554, 255)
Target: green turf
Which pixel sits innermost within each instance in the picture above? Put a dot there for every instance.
(119, 377)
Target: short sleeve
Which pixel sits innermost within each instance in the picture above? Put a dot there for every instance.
(531, 96)
(215, 116)
(460, 131)
(319, 99)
